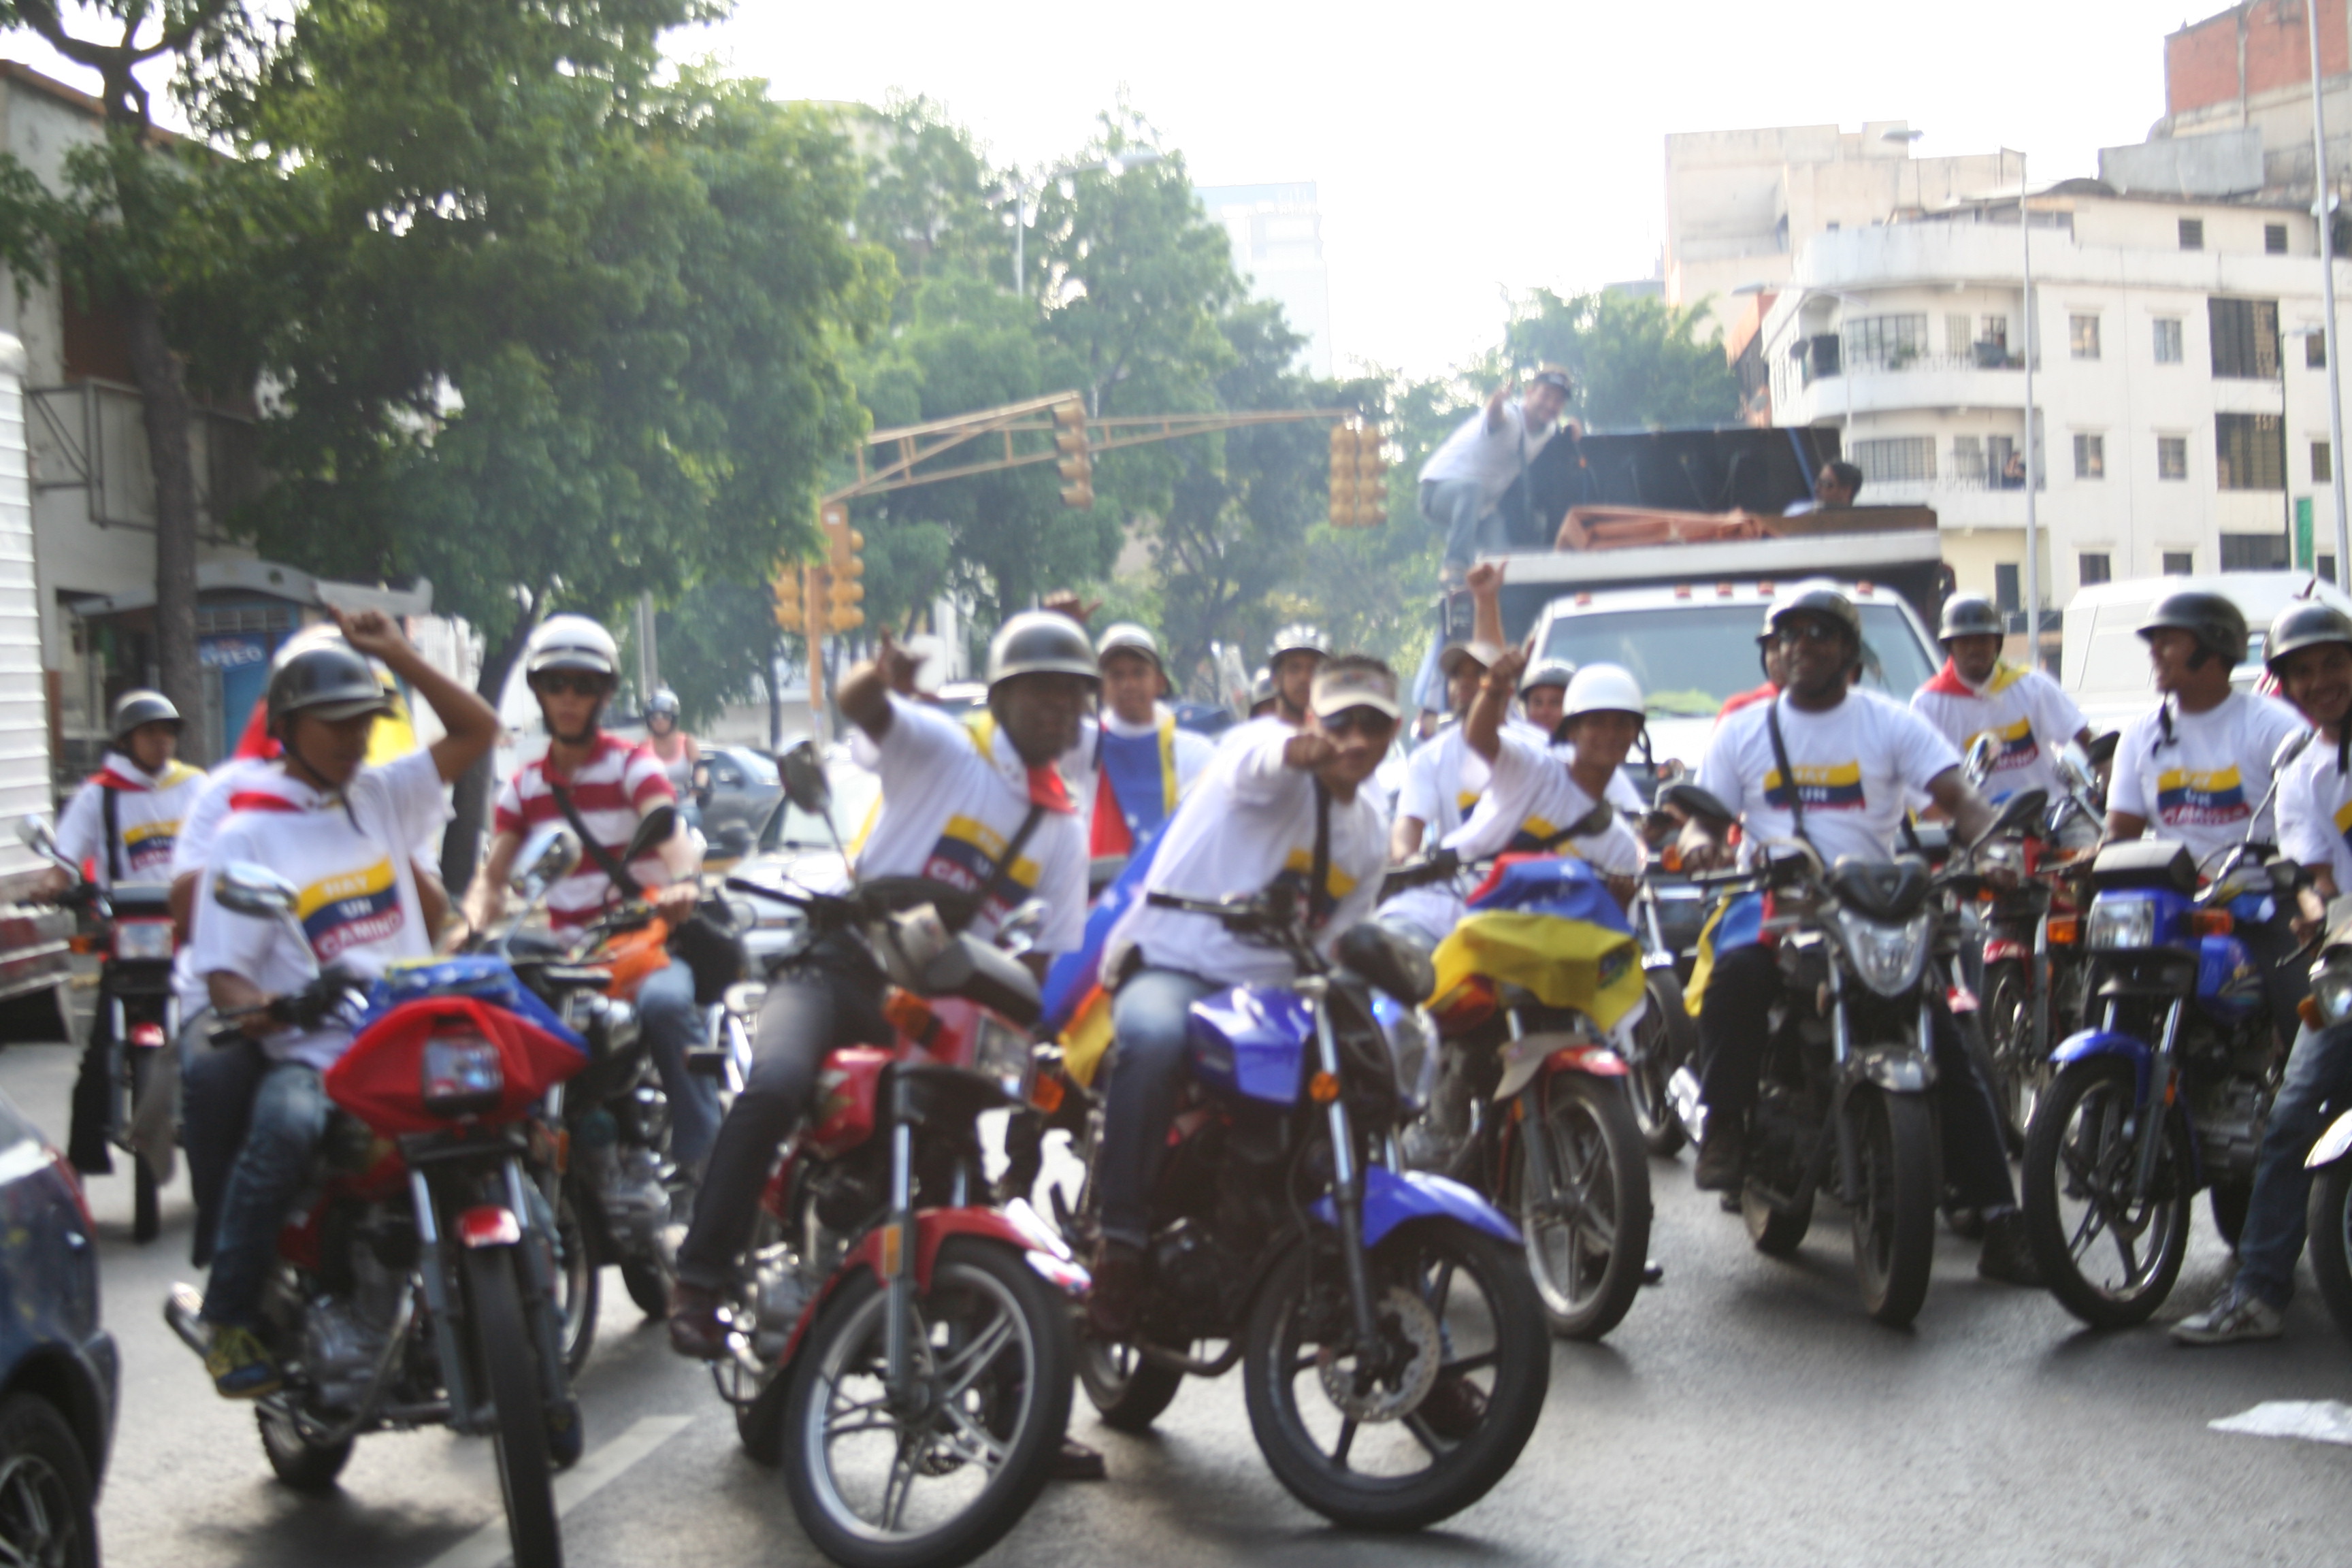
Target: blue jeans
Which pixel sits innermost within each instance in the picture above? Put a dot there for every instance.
(2319, 1071)
(1471, 529)
(290, 1117)
(1147, 1070)
(673, 1026)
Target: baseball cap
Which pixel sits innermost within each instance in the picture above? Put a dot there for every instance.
(1485, 653)
(1342, 685)
(1553, 376)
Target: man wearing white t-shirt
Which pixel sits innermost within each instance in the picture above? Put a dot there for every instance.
(1280, 809)
(2028, 714)
(1465, 480)
(2310, 651)
(1854, 754)
(342, 832)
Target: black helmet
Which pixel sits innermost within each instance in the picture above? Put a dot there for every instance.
(1969, 615)
(2213, 620)
(329, 681)
(1818, 597)
(1040, 642)
(2305, 625)
(134, 709)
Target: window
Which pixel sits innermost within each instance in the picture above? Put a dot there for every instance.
(2323, 463)
(2083, 336)
(1956, 336)
(2249, 452)
(1885, 342)
(2245, 338)
(1896, 461)
(2091, 570)
(1993, 330)
(2090, 457)
(2005, 463)
(2253, 553)
(2167, 340)
(2173, 457)
(2179, 562)
(2192, 235)
(1967, 459)
(2314, 349)
(2005, 593)
(2275, 238)
(2325, 566)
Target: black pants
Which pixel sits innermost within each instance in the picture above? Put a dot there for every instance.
(832, 1000)
(216, 1091)
(91, 1134)
(1735, 1021)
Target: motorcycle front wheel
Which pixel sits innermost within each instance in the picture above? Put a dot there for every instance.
(1893, 1218)
(2330, 1216)
(578, 1282)
(2017, 1072)
(508, 1366)
(1468, 1363)
(1588, 1233)
(876, 1488)
(1666, 1039)
(2109, 1256)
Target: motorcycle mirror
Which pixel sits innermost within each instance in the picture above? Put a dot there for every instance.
(2076, 768)
(2103, 747)
(656, 828)
(1692, 801)
(547, 857)
(1018, 933)
(245, 889)
(2025, 806)
(806, 784)
(1983, 751)
(33, 833)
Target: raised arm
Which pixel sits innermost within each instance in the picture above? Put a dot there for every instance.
(1485, 581)
(471, 725)
(865, 695)
(1483, 730)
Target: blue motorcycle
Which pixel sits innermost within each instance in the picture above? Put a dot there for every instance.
(1394, 1349)
(2167, 1094)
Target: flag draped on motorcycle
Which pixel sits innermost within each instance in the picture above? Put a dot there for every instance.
(1548, 926)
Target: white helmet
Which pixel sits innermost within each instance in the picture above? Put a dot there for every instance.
(572, 642)
(1603, 688)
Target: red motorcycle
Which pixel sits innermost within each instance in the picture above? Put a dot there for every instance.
(902, 1346)
(419, 1286)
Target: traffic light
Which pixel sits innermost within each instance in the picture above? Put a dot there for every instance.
(1343, 476)
(1371, 478)
(843, 567)
(1078, 464)
(792, 611)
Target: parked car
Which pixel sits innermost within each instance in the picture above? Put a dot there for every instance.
(59, 1368)
(739, 788)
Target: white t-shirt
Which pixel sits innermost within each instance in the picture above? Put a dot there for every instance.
(148, 811)
(1854, 766)
(1531, 796)
(1443, 782)
(1248, 824)
(192, 848)
(1249, 731)
(1493, 458)
(358, 903)
(2028, 714)
(949, 809)
(2202, 786)
(2314, 813)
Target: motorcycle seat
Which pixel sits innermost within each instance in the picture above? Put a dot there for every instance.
(1884, 890)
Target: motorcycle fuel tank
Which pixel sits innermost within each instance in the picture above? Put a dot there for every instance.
(1251, 1041)
(2229, 981)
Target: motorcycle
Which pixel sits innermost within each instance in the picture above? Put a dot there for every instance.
(1665, 1039)
(2168, 1091)
(1844, 1093)
(418, 1285)
(141, 1012)
(1542, 954)
(1392, 1348)
(2329, 1210)
(899, 1344)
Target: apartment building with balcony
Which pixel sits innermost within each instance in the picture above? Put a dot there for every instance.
(2181, 401)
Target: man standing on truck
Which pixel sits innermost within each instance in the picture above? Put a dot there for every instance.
(1979, 693)
(1464, 481)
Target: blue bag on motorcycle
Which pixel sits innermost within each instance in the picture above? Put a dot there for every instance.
(487, 979)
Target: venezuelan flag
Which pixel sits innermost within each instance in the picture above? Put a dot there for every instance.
(1738, 921)
(1548, 926)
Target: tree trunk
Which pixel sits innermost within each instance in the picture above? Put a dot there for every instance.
(461, 842)
(170, 423)
(775, 685)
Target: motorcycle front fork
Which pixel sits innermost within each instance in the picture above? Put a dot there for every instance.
(1346, 1175)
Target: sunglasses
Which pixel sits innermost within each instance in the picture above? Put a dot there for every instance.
(1367, 720)
(555, 683)
(1807, 631)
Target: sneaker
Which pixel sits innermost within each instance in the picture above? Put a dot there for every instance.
(2006, 1256)
(2234, 1316)
(695, 1329)
(1116, 1299)
(1722, 1162)
(240, 1365)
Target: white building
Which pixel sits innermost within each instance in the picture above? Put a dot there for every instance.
(2183, 408)
(1277, 238)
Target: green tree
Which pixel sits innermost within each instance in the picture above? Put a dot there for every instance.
(716, 646)
(1638, 362)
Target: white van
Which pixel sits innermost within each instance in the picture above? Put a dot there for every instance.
(2105, 665)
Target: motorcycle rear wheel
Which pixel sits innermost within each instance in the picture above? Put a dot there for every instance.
(305, 1465)
(1772, 1231)
(1587, 1238)
(1669, 1040)
(1893, 1221)
(2082, 1151)
(508, 1364)
(1426, 1461)
(1010, 1404)
(1128, 1392)
(2330, 1216)
(578, 1282)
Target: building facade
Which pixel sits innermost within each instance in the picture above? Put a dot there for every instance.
(2181, 418)
(1276, 232)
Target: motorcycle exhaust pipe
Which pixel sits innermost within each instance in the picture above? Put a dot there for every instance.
(182, 1310)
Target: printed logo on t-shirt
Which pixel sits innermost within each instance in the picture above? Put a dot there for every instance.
(966, 855)
(1465, 801)
(2186, 797)
(2017, 746)
(1832, 787)
(1530, 836)
(1297, 867)
(350, 910)
(147, 847)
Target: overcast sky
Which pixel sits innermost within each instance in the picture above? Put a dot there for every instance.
(1463, 150)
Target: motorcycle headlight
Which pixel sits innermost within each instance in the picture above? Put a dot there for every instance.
(2121, 924)
(462, 1075)
(1004, 1054)
(143, 940)
(1888, 958)
(2331, 990)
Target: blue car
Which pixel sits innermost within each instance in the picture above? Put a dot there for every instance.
(57, 1366)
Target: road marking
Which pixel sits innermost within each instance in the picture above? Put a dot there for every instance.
(486, 1547)
(2313, 1420)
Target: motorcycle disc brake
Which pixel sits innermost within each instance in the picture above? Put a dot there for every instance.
(1408, 1323)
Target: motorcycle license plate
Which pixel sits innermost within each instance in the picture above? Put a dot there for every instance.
(143, 940)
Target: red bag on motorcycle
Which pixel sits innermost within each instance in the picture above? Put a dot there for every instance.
(381, 1078)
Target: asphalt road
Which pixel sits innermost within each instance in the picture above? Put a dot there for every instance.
(1743, 1412)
